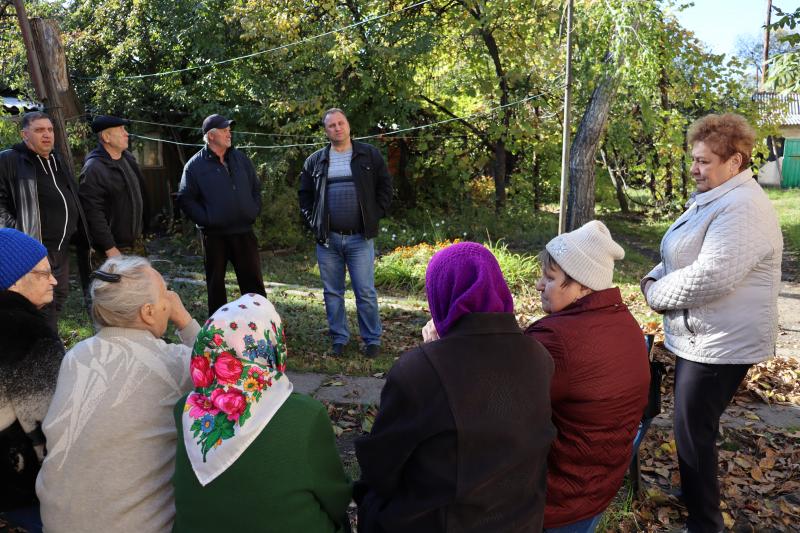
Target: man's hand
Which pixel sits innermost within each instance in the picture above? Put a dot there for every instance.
(429, 332)
(113, 252)
(177, 312)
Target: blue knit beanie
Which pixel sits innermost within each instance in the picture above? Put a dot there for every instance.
(18, 255)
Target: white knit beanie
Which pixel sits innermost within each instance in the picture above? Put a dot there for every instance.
(587, 254)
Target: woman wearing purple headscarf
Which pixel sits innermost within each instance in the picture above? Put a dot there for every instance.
(461, 439)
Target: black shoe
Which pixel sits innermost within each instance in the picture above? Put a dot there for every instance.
(337, 350)
(372, 351)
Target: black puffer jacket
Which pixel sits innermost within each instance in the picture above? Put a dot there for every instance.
(29, 364)
(109, 202)
(373, 187)
(19, 199)
(220, 200)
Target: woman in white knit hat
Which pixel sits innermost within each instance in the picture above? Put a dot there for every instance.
(599, 388)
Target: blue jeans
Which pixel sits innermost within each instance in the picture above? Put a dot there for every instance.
(358, 255)
(584, 526)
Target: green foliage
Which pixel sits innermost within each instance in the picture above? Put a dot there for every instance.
(492, 70)
(9, 131)
(784, 69)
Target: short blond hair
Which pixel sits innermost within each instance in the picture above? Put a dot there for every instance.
(726, 135)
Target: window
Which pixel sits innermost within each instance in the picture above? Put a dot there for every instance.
(149, 152)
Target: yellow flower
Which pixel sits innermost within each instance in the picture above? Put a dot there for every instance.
(250, 385)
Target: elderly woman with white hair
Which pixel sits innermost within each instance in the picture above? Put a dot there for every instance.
(110, 433)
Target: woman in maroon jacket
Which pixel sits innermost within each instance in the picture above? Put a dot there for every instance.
(599, 387)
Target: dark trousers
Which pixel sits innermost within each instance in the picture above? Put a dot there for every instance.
(59, 264)
(702, 392)
(241, 250)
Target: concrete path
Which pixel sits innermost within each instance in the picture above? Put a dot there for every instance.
(339, 389)
(788, 343)
(407, 304)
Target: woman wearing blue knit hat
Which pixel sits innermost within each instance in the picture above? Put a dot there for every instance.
(29, 363)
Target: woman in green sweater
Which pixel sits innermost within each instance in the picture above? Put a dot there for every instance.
(253, 456)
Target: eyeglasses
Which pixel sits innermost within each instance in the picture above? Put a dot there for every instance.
(42, 273)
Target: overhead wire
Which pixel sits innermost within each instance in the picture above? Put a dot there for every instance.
(361, 138)
(260, 52)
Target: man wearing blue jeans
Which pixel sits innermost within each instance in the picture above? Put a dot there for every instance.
(345, 189)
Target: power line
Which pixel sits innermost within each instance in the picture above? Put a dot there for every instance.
(362, 138)
(176, 126)
(262, 52)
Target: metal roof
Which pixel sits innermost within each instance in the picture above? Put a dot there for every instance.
(791, 101)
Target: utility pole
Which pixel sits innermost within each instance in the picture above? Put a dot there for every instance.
(30, 51)
(562, 210)
(765, 60)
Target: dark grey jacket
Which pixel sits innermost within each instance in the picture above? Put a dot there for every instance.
(19, 199)
(108, 201)
(373, 188)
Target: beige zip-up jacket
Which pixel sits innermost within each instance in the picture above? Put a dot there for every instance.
(720, 275)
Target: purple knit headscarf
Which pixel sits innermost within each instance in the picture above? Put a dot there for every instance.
(465, 278)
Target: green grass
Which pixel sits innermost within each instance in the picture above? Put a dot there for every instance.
(787, 204)
(400, 277)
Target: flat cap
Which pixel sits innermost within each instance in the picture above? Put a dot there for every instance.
(103, 122)
(215, 121)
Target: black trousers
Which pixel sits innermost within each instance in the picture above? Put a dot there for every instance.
(59, 264)
(241, 250)
(702, 392)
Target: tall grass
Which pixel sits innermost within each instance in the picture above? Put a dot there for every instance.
(405, 266)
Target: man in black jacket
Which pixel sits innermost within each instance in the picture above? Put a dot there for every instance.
(111, 190)
(345, 189)
(38, 196)
(220, 192)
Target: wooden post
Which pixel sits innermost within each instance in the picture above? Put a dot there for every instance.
(562, 210)
(765, 60)
(62, 102)
(30, 51)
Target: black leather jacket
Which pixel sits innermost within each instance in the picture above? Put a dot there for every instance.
(373, 188)
(19, 199)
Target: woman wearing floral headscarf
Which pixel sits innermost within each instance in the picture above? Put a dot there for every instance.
(461, 439)
(253, 456)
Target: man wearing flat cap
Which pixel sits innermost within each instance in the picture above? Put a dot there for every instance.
(111, 190)
(39, 197)
(220, 192)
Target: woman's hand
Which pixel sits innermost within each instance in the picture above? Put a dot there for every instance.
(177, 312)
(429, 332)
(644, 286)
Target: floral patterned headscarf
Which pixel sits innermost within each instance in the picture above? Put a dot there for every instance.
(237, 368)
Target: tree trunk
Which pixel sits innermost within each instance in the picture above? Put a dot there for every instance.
(663, 86)
(499, 175)
(618, 185)
(684, 172)
(582, 154)
(537, 181)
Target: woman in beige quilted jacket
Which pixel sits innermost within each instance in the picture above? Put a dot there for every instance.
(717, 287)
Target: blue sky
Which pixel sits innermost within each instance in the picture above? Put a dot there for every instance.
(718, 23)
